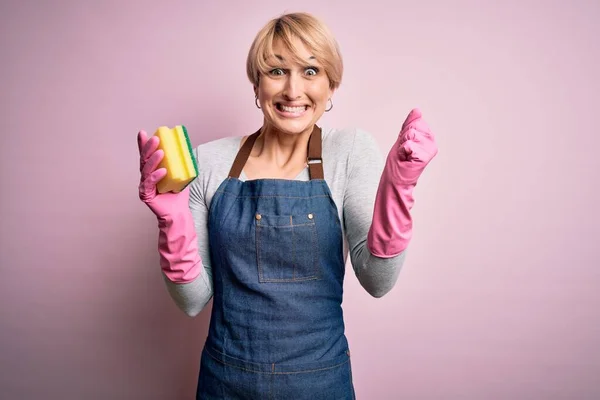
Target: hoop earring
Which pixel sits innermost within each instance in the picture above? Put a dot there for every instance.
(256, 102)
(329, 109)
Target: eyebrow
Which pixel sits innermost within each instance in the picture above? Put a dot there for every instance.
(283, 59)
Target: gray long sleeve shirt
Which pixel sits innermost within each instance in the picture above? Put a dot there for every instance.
(352, 165)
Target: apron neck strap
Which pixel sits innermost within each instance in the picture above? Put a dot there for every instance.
(314, 160)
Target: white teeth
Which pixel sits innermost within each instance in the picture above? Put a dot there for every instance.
(293, 109)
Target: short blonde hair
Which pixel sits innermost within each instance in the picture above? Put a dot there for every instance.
(313, 33)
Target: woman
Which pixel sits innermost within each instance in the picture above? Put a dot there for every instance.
(266, 228)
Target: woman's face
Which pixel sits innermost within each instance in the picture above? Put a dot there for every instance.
(293, 97)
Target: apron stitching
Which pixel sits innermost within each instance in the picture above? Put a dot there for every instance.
(293, 251)
(315, 252)
(260, 272)
(273, 372)
(276, 195)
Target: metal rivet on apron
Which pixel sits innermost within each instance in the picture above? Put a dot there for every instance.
(258, 216)
(310, 216)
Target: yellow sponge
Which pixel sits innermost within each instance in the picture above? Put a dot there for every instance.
(178, 159)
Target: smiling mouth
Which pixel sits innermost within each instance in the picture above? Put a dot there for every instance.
(292, 110)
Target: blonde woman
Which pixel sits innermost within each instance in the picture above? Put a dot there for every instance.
(267, 226)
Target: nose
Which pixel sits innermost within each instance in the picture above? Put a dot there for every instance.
(293, 87)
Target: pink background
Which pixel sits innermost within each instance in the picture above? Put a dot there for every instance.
(500, 294)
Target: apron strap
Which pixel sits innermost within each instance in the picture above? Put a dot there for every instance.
(242, 155)
(314, 160)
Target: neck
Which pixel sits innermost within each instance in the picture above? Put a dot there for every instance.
(280, 148)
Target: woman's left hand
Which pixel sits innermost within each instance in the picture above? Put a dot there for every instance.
(415, 147)
(391, 229)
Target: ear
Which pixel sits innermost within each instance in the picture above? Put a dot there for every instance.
(255, 91)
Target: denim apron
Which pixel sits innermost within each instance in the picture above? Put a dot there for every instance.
(276, 329)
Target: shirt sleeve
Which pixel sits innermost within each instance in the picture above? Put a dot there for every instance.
(365, 165)
(193, 296)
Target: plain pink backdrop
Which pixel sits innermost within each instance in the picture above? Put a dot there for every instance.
(500, 294)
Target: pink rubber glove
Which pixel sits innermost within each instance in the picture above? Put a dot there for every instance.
(391, 229)
(177, 241)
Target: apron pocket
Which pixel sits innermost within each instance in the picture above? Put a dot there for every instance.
(286, 248)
